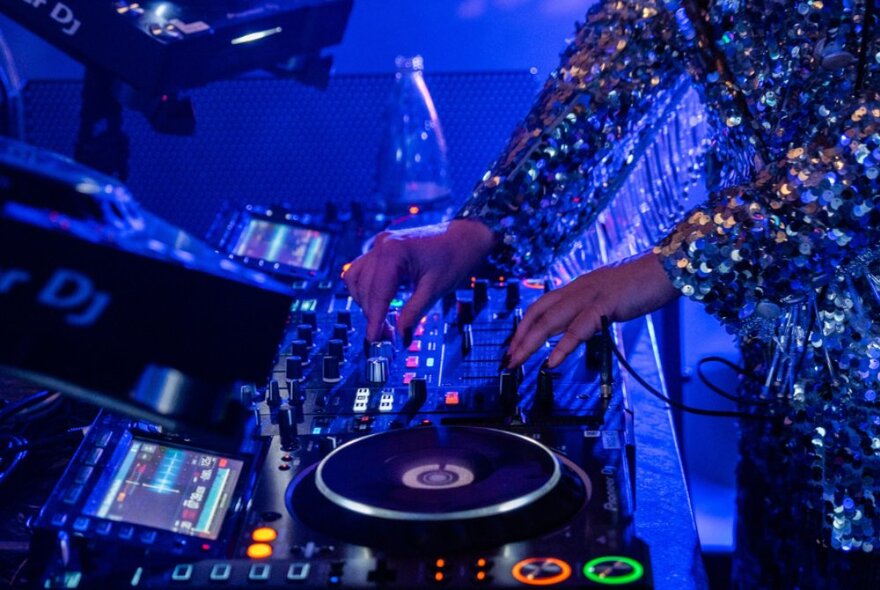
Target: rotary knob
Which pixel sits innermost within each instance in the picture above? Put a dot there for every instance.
(340, 332)
(343, 316)
(377, 370)
(330, 369)
(511, 294)
(306, 333)
(300, 348)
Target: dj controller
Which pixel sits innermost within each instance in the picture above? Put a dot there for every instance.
(364, 464)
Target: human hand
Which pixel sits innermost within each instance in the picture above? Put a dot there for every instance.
(621, 292)
(433, 258)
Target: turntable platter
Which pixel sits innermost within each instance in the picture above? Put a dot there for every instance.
(430, 485)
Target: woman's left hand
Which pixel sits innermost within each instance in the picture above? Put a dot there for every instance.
(621, 292)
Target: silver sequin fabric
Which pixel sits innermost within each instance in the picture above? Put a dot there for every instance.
(785, 251)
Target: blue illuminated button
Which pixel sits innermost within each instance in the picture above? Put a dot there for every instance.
(83, 475)
(182, 572)
(72, 494)
(260, 572)
(613, 570)
(104, 439)
(94, 456)
(298, 572)
(126, 531)
(220, 572)
(104, 527)
(148, 537)
(81, 524)
(59, 519)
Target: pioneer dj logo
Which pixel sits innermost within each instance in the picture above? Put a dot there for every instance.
(61, 13)
(612, 501)
(66, 290)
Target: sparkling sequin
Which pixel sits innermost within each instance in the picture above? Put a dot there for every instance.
(792, 225)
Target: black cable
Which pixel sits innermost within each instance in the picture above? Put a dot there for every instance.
(24, 404)
(726, 395)
(675, 404)
(44, 442)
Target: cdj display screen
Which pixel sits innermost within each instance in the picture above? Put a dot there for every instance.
(300, 247)
(179, 490)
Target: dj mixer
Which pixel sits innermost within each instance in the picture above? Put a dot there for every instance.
(364, 464)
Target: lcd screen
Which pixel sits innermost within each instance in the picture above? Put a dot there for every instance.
(291, 245)
(174, 489)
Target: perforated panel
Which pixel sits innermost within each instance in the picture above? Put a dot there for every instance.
(265, 140)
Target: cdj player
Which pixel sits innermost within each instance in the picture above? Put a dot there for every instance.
(365, 464)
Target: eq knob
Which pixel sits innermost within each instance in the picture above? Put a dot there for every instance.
(511, 294)
(293, 369)
(340, 332)
(336, 348)
(343, 316)
(377, 370)
(287, 427)
(306, 333)
(273, 394)
(382, 348)
(300, 348)
(330, 369)
(309, 318)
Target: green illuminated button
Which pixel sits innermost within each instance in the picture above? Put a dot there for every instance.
(613, 570)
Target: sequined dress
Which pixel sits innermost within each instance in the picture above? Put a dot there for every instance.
(785, 250)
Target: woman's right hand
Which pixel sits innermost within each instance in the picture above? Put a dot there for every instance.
(433, 258)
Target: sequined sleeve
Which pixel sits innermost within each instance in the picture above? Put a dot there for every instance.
(754, 248)
(562, 162)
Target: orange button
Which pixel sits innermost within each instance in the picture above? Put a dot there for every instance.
(541, 571)
(452, 398)
(264, 534)
(259, 551)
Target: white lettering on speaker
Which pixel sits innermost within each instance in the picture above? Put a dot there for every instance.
(70, 290)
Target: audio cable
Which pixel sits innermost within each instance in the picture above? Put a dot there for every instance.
(621, 358)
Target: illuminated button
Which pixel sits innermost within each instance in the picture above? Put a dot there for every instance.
(419, 331)
(59, 519)
(452, 398)
(613, 570)
(260, 572)
(541, 571)
(104, 439)
(126, 531)
(415, 346)
(264, 534)
(83, 475)
(297, 572)
(104, 528)
(407, 377)
(481, 576)
(94, 456)
(182, 572)
(259, 551)
(220, 572)
(81, 524)
(148, 537)
(439, 576)
(72, 494)
(440, 563)
(412, 362)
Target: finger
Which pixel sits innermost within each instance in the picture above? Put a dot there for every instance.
(424, 296)
(587, 323)
(553, 321)
(377, 289)
(536, 310)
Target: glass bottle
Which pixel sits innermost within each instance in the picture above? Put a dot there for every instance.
(412, 167)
